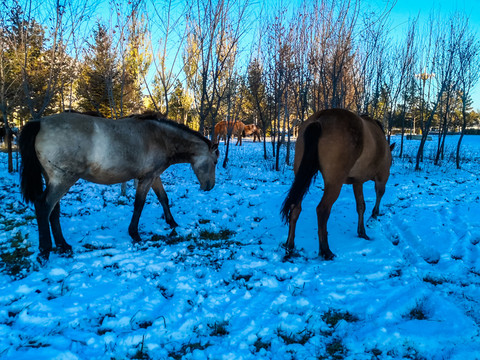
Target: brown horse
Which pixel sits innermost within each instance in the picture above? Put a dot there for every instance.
(255, 130)
(223, 127)
(70, 146)
(346, 149)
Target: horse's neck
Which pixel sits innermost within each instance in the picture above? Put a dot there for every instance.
(180, 145)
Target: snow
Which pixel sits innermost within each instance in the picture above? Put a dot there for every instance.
(412, 291)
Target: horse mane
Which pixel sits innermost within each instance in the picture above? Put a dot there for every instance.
(89, 113)
(368, 118)
(159, 117)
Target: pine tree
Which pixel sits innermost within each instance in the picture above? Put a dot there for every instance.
(99, 76)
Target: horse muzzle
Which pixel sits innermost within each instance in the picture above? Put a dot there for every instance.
(207, 186)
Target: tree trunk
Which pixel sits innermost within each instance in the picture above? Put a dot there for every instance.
(464, 125)
(8, 141)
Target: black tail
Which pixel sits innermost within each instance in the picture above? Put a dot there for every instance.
(309, 166)
(31, 181)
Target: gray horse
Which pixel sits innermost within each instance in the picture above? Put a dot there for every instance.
(70, 146)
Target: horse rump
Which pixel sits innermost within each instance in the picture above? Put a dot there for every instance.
(31, 181)
(309, 166)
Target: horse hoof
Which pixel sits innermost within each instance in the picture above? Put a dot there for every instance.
(136, 239)
(329, 256)
(290, 254)
(42, 258)
(172, 224)
(64, 250)
(364, 236)
(173, 233)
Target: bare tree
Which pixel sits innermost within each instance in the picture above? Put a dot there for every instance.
(445, 42)
(215, 29)
(60, 20)
(278, 56)
(257, 91)
(468, 75)
(332, 53)
(171, 35)
(400, 71)
(369, 69)
(10, 79)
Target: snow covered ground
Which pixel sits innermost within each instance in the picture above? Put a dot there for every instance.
(222, 289)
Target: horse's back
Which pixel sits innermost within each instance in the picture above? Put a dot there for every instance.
(338, 144)
(350, 148)
(96, 149)
(238, 128)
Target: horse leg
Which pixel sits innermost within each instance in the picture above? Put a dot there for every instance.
(290, 244)
(330, 195)
(360, 201)
(157, 186)
(60, 242)
(44, 238)
(142, 189)
(43, 210)
(379, 191)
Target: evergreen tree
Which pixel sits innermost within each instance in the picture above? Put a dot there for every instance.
(99, 76)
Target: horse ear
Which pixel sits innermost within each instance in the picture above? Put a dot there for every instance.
(215, 146)
(392, 146)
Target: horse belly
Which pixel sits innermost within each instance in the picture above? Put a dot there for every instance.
(97, 173)
(366, 166)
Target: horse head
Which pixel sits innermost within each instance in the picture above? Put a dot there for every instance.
(204, 165)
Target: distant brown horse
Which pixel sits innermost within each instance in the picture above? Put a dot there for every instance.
(221, 131)
(253, 130)
(70, 146)
(346, 149)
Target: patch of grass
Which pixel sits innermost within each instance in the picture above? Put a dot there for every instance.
(417, 313)
(223, 234)
(335, 350)
(245, 277)
(219, 329)
(93, 247)
(145, 324)
(332, 317)
(16, 257)
(35, 344)
(113, 266)
(376, 353)
(103, 331)
(140, 354)
(187, 349)
(122, 201)
(12, 224)
(301, 337)
(434, 280)
(395, 273)
(260, 344)
(172, 240)
(166, 293)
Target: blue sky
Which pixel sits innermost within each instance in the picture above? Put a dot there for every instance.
(405, 9)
